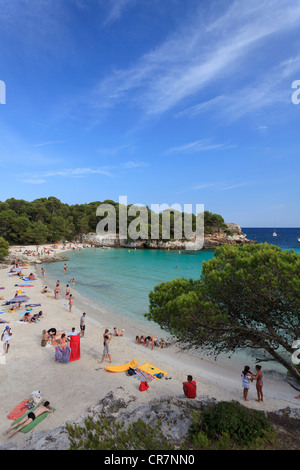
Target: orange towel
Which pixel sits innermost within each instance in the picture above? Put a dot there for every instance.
(19, 410)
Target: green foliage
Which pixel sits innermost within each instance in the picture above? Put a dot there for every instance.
(4, 246)
(105, 434)
(227, 425)
(213, 223)
(247, 296)
(49, 220)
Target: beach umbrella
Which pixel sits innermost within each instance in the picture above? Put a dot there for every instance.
(16, 270)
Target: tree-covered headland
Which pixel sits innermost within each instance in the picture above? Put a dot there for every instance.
(48, 220)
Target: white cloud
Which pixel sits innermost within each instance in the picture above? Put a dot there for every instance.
(200, 146)
(197, 56)
(109, 171)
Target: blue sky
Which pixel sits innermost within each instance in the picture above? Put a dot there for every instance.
(163, 101)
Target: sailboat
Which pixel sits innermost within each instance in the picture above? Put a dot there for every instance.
(274, 233)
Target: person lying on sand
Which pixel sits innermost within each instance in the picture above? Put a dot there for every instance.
(118, 332)
(45, 408)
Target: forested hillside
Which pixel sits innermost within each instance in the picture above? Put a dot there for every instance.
(50, 220)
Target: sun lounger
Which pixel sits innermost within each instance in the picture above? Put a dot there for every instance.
(123, 367)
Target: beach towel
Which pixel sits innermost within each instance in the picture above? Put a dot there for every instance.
(75, 347)
(62, 355)
(153, 370)
(23, 285)
(32, 305)
(33, 423)
(142, 376)
(19, 410)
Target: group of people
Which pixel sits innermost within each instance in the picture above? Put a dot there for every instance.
(69, 296)
(146, 340)
(59, 337)
(248, 377)
(190, 387)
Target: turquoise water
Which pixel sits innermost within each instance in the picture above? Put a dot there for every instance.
(120, 279)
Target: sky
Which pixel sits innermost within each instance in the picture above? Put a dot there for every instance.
(162, 101)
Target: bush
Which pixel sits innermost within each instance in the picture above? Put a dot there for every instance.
(229, 421)
(105, 434)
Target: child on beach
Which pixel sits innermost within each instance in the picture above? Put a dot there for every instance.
(246, 379)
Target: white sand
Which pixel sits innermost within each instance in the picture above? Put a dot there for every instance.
(74, 386)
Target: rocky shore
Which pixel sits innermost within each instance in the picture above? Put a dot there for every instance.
(175, 415)
(232, 236)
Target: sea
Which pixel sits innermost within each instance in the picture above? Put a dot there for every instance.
(121, 279)
(117, 281)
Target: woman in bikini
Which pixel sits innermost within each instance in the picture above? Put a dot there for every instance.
(259, 383)
(71, 300)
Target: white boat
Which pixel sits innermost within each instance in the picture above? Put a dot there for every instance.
(274, 234)
(298, 239)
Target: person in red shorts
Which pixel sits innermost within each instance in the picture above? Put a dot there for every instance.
(190, 387)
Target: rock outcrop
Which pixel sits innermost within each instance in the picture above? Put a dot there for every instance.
(175, 415)
(232, 236)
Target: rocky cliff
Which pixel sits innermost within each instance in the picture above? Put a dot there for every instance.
(232, 236)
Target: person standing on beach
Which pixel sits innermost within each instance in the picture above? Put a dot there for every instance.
(5, 337)
(246, 379)
(82, 325)
(259, 383)
(106, 353)
(67, 292)
(57, 291)
(71, 300)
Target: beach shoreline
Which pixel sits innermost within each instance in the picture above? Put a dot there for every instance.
(73, 387)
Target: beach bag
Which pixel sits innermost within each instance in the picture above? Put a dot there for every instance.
(130, 371)
(36, 397)
(160, 375)
(143, 386)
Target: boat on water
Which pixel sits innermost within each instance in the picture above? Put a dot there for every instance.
(274, 234)
(298, 239)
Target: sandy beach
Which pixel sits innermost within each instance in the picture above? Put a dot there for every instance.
(72, 387)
